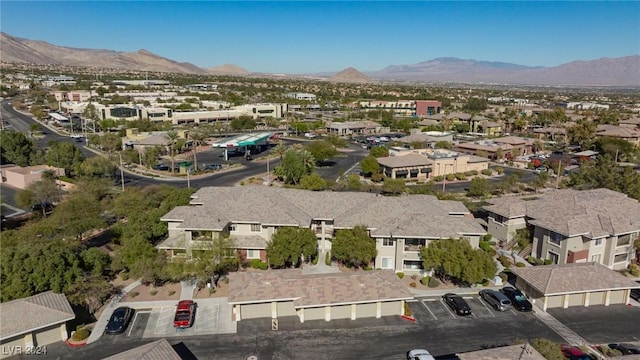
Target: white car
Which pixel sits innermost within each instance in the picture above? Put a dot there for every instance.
(419, 354)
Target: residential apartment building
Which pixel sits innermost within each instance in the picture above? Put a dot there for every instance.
(250, 215)
(404, 107)
(570, 226)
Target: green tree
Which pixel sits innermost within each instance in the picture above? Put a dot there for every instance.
(198, 140)
(78, 214)
(370, 165)
(289, 244)
(313, 182)
(336, 141)
(615, 147)
(475, 104)
(548, 349)
(606, 173)
(90, 291)
(479, 187)
(379, 151)
(354, 247)
(63, 155)
(321, 150)
(280, 149)
(38, 112)
(582, 133)
(175, 142)
(15, 148)
(243, 123)
(42, 192)
(443, 145)
(541, 180)
(456, 259)
(217, 257)
(393, 186)
(96, 261)
(97, 166)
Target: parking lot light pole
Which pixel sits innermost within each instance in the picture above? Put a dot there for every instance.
(121, 173)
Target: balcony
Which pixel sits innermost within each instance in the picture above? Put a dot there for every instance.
(327, 231)
(410, 247)
(413, 256)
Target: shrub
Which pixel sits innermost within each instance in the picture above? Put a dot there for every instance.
(520, 264)
(472, 172)
(407, 310)
(438, 178)
(212, 290)
(451, 177)
(433, 282)
(413, 285)
(504, 276)
(634, 270)
(548, 349)
(242, 183)
(484, 245)
(134, 294)
(377, 177)
(500, 170)
(171, 292)
(80, 334)
(425, 280)
(314, 261)
(485, 282)
(547, 262)
(487, 172)
(124, 275)
(327, 259)
(259, 264)
(504, 261)
(368, 268)
(153, 292)
(461, 176)
(400, 275)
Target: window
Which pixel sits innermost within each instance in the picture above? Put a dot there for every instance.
(253, 254)
(255, 228)
(233, 227)
(387, 263)
(620, 258)
(623, 240)
(387, 242)
(595, 258)
(554, 257)
(598, 242)
(555, 238)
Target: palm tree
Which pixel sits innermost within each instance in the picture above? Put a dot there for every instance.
(280, 149)
(197, 139)
(173, 137)
(308, 160)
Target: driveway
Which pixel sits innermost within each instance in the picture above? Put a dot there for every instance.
(602, 324)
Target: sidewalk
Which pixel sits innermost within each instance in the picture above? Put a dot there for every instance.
(457, 290)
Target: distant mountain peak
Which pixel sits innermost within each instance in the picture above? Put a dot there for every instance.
(229, 69)
(350, 75)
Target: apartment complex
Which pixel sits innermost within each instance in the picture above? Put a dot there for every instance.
(570, 226)
(404, 107)
(400, 226)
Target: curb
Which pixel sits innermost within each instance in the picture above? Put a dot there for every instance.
(76, 344)
(409, 318)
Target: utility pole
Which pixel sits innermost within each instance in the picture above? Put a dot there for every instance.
(558, 175)
(268, 172)
(188, 178)
(121, 173)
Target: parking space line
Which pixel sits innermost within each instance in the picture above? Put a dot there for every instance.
(429, 310)
(411, 301)
(429, 299)
(485, 306)
(514, 313)
(134, 320)
(447, 307)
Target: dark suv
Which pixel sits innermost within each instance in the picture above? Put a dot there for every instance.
(518, 300)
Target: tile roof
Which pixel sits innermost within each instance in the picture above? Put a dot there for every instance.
(520, 352)
(408, 160)
(459, 115)
(573, 278)
(592, 213)
(617, 131)
(22, 316)
(313, 290)
(415, 215)
(514, 140)
(157, 350)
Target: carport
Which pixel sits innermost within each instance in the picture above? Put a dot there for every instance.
(570, 285)
(245, 140)
(280, 293)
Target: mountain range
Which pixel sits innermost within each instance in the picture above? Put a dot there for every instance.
(622, 71)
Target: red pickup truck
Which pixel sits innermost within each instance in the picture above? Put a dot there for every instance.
(185, 314)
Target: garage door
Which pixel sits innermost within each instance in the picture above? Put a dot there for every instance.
(555, 301)
(617, 297)
(313, 314)
(14, 344)
(576, 299)
(596, 298)
(391, 308)
(50, 336)
(286, 309)
(255, 311)
(366, 310)
(341, 312)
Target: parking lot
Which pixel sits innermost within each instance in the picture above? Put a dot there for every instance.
(436, 310)
(602, 324)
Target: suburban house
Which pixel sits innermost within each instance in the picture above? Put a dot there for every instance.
(37, 320)
(570, 226)
(21, 177)
(427, 139)
(424, 164)
(290, 292)
(621, 132)
(250, 215)
(569, 285)
(551, 133)
(355, 128)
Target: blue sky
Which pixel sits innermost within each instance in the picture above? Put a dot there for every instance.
(307, 36)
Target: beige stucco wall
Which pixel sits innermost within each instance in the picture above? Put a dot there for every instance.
(48, 336)
(390, 308)
(366, 310)
(255, 311)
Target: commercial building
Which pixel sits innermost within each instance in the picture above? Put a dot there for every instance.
(404, 107)
(301, 96)
(21, 177)
(37, 320)
(348, 128)
(76, 96)
(570, 226)
(59, 80)
(508, 147)
(400, 226)
(281, 293)
(425, 164)
(569, 285)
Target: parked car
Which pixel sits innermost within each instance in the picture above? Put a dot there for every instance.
(625, 349)
(185, 314)
(419, 354)
(574, 353)
(518, 300)
(496, 299)
(119, 320)
(635, 294)
(212, 167)
(162, 167)
(457, 304)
